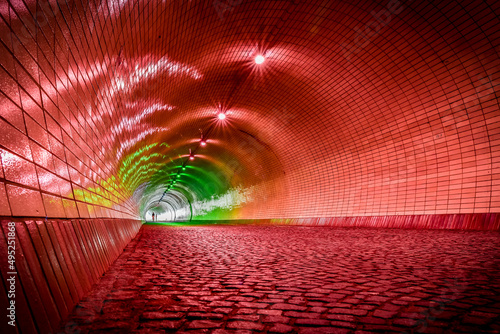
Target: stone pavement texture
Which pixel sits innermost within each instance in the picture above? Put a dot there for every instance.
(292, 279)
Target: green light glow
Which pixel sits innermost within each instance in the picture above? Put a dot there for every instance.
(156, 169)
(131, 169)
(128, 160)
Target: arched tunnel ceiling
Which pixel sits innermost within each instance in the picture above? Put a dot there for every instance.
(360, 108)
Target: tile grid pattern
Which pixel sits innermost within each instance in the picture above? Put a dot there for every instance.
(361, 109)
(58, 262)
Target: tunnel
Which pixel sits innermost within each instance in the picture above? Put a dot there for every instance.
(250, 166)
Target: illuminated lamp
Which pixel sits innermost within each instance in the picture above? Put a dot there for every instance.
(221, 116)
(259, 59)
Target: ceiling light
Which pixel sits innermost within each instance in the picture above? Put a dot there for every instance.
(259, 59)
(221, 116)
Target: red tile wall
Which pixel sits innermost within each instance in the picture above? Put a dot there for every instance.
(408, 124)
(473, 221)
(57, 262)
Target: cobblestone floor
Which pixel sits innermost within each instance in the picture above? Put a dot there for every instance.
(244, 279)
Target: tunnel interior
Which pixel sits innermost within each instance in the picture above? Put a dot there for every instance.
(256, 113)
(332, 109)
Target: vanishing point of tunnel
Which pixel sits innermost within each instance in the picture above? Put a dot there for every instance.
(249, 166)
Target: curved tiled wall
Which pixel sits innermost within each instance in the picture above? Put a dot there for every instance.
(56, 264)
(376, 108)
(371, 113)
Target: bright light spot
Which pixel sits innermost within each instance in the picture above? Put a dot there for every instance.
(222, 116)
(259, 59)
(191, 157)
(203, 143)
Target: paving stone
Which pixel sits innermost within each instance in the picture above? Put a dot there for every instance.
(270, 312)
(312, 322)
(248, 317)
(225, 331)
(356, 312)
(223, 310)
(276, 318)
(384, 314)
(221, 303)
(245, 325)
(274, 296)
(338, 305)
(283, 306)
(241, 299)
(343, 324)
(323, 330)
(165, 324)
(274, 301)
(162, 315)
(200, 324)
(246, 311)
(371, 320)
(294, 314)
(317, 309)
(412, 315)
(252, 305)
(281, 328)
(341, 317)
(382, 328)
(390, 307)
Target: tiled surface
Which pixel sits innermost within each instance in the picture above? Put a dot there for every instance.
(478, 221)
(280, 279)
(368, 108)
(57, 264)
